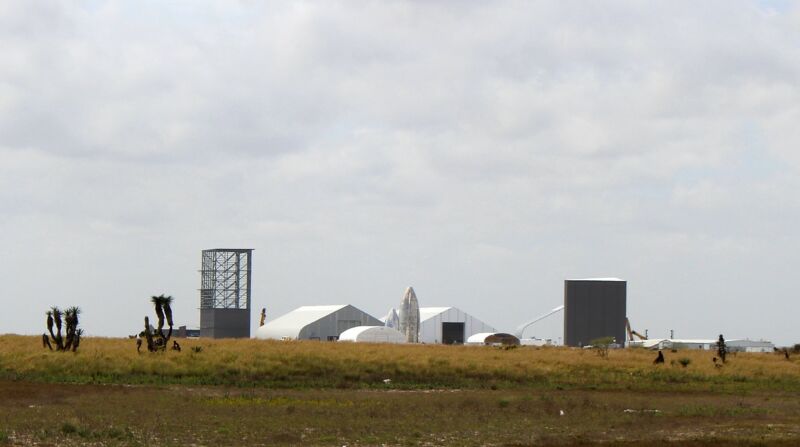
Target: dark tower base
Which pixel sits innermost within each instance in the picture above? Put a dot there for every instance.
(225, 323)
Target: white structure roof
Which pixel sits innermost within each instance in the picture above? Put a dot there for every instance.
(595, 279)
(480, 337)
(500, 338)
(372, 334)
(426, 313)
(290, 325)
(431, 319)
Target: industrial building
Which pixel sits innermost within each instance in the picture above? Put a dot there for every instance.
(448, 325)
(739, 345)
(594, 308)
(316, 323)
(225, 291)
(735, 345)
(372, 334)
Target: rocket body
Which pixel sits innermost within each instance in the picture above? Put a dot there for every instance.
(409, 316)
(392, 319)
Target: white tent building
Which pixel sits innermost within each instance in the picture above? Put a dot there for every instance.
(492, 339)
(372, 334)
(316, 323)
(448, 325)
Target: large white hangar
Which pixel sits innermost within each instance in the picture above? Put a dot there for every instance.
(448, 325)
(316, 323)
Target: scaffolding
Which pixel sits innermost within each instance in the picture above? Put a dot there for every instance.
(225, 292)
(225, 279)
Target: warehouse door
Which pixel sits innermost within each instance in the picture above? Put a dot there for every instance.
(453, 333)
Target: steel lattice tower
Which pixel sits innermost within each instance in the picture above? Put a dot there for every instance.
(225, 293)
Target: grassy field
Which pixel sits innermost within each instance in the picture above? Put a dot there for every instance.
(248, 363)
(249, 392)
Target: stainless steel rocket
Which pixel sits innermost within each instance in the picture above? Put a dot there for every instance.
(409, 316)
(392, 319)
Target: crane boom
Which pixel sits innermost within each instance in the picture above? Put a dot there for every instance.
(631, 332)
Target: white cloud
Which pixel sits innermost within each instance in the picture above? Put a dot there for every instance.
(470, 149)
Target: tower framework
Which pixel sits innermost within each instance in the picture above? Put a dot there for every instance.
(225, 292)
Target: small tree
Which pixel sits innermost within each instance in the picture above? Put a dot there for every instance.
(722, 350)
(601, 345)
(67, 320)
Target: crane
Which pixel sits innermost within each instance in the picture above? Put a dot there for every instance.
(631, 332)
(521, 328)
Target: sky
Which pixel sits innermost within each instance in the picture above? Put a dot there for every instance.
(481, 152)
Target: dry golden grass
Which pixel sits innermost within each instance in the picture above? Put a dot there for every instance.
(346, 365)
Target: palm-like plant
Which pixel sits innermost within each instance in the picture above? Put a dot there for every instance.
(158, 301)
(148, 335)
(158, 341)
(75, 311)
(166, 302)
(67, 320)
(50, 324)
(57, 319)
(71, 321)
(68, 329)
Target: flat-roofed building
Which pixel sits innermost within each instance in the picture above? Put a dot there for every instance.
(594, 308)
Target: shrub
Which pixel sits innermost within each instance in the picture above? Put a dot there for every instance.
(685, 361)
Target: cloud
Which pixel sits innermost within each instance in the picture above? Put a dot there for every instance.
(470, 149)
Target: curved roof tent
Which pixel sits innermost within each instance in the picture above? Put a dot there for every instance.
(448, 325)
(316, 323)
(493, 338)
(372, 334)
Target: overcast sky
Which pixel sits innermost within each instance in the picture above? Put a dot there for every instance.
(482, 152)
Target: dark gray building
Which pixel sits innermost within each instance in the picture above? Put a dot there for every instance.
(225, 293)
(594, 308)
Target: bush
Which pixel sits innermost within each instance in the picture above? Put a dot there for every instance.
(601, 345)
(685, 361)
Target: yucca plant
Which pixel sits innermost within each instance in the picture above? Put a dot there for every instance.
(157, 341)
(71, 323)
(57, 319)
(158, 302)
(67, 320)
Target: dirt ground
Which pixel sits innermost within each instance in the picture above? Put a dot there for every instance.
(51, 414)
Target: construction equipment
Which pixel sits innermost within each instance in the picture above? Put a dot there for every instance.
(631, 332)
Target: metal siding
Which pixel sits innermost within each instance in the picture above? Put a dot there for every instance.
(225, 323)
(594, 309)
(328, 325)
